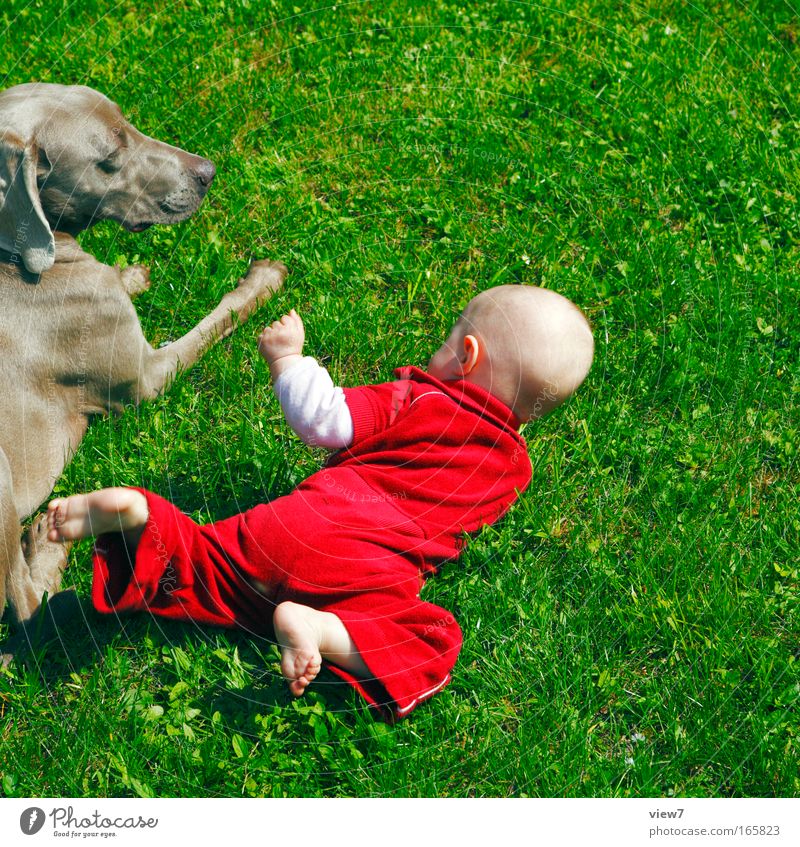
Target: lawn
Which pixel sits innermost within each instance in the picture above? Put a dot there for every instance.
(631, 628)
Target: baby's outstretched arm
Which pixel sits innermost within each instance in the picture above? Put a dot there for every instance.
(281, 343)
(314, 407)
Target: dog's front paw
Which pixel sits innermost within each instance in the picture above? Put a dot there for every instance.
(46, 559)
(263, 279)
(136, 279)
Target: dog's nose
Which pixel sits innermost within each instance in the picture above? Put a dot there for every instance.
(204, 171)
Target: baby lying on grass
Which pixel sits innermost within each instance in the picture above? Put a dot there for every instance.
(335, 568)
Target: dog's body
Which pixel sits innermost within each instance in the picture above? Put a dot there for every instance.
(70, 341)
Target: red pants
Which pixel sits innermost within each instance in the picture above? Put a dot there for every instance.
(333, 545)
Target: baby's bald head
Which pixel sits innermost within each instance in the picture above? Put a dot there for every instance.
(533, 347)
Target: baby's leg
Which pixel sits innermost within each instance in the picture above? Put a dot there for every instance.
(306, 636)
(108, 510)
(408, 645)
(165, 563)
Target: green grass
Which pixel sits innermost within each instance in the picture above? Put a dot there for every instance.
(632, 627)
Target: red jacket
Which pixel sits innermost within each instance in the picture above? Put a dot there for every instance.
(447, 454)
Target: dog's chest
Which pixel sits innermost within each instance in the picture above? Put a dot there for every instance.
(60, 322)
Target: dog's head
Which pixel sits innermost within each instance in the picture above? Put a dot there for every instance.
(68, 158)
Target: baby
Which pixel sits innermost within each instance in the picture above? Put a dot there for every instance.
(335, 568)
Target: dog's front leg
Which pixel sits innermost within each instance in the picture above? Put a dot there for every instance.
(263, 279)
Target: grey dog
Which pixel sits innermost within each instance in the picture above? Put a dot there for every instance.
(70, 341)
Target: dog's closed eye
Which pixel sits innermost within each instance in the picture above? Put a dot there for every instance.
(110, 161)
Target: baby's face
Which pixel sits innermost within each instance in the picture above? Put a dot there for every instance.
(444, 363)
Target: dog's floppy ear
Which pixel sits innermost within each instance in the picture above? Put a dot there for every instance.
(24, 230)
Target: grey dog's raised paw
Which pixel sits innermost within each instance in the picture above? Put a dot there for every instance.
(264, 277)
(136, 279)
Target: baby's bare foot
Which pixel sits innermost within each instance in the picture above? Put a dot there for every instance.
(84, 515)
(299, 639)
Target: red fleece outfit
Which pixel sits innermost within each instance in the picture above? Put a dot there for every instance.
(429, 461)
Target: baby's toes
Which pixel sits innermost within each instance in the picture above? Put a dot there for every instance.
(312, 668)
(305, 679)
(299, 669)
(54, 519)
(298, 686)
(291, 664)
(56, 514)
(308, 675)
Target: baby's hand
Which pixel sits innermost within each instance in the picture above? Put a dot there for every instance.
(282, 342)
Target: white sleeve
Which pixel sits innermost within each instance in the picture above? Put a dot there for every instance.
(314, 407)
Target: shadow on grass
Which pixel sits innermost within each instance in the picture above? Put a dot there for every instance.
(67, 637)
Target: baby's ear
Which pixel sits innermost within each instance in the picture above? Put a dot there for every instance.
(470, 354)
